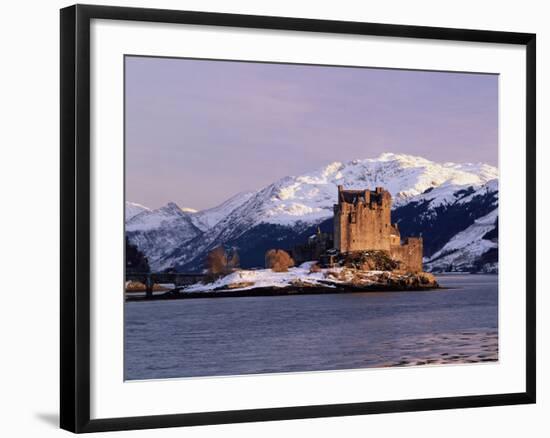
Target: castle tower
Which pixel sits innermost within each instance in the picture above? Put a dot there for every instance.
(362, 220)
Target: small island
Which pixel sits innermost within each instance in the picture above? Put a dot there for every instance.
(364, 254)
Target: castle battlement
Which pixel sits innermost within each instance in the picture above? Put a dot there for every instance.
(353, 199)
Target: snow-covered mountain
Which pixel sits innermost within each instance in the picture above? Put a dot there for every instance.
(309, 198)
(157, 231)
(427, 197)
(132, 209)
(453, 237)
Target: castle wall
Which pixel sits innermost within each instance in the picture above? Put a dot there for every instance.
(409, 254)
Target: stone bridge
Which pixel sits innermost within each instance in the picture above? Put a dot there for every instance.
(178, 279)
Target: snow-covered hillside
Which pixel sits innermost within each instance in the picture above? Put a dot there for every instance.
(157, 231)
(449, 193)
(442, 214)
(309, 198)
(432, 194)
(464, 250)
(206, 219)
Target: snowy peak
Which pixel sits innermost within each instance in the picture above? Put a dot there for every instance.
(309, 197)
(172, 208)
(156, 231)
(132, 209)
(168, 215)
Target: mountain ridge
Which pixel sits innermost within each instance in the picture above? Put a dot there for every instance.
(281, 212)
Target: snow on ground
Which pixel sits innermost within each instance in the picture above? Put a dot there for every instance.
(261, 278)
(248, 279)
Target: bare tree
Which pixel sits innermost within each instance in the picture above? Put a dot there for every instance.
(278, 260)
(216, 261)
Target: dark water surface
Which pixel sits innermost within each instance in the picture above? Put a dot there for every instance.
(248, 335)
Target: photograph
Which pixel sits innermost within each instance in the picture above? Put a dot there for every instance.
(285, 218)
(275, 219)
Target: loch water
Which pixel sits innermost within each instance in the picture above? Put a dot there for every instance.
(251, 335)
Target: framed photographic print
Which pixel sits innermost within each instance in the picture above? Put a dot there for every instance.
(271, 218)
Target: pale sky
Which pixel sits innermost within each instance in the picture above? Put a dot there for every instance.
(198, 132)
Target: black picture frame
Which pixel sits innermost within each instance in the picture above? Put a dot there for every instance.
(75, 217)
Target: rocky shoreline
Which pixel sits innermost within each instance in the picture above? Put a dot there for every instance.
(332, 282)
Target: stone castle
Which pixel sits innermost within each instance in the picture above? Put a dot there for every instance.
(362, 222)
